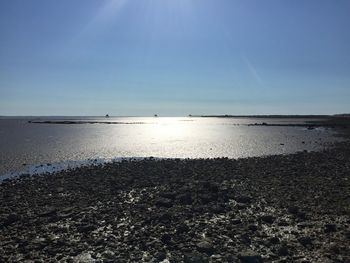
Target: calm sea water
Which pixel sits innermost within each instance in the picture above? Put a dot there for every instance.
(23, 144)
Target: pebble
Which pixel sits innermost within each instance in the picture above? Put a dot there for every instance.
(182, 210)
(329, 228)
(268, 219)
(205, 246)
(250, 256)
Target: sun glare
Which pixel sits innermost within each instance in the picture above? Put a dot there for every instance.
(169, 128)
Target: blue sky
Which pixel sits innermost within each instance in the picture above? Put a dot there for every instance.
(174, 57)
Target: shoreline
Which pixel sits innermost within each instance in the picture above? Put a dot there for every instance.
(49, 167)
(278, 208)
(238, 208)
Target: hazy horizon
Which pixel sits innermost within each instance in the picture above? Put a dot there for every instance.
(174, 58)
(173, 116)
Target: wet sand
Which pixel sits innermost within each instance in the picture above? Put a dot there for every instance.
(283, 208)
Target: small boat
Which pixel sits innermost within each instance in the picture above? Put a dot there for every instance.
(155, 115)
(107, 116)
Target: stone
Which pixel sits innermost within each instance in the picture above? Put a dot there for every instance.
(208, 198)
(253, 228)
(49, 211)
(236, 221)
(195, 258)
(59, 189)
(185, 199)
(164, 202)
(108, 254)
(11, 219)
(165, 218)
(166, 239)
(301, 215)
(217, 209)
(182, 228)
(86, 228)
(205, 246)
(283, 251)
(347, 235)
(328, 228)
(274, 240)
(305, 240)
(84, 258)
(211, 187)
(250, 256)
(267, 219)
(293, 210)
(243, 199)
(160, 256)
(168, 195)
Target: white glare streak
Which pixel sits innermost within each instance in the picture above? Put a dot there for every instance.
(252, 70)
(104, 15)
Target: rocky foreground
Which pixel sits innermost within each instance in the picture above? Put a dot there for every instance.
(292, 208)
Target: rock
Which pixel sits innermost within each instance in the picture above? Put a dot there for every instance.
(195, 258)
(205, 246)
(40, 243)
(328, 228)
(165, 218)
(164, 202)
(166, 239)
(253, 228)
(283, 223)
(211, 187)
(182, 228)
(243, 199)
(95, 216)
(185, 199)
(241, 206)
(84, 258)
(59, 189)
(305, 240)
(65, 212)
(217, 209)
(168, 195)
(108, 254)
(160, 256)
(293, 210)
(24, 175)
(267, 219)
(208, 198)
(301, 215)
(245, 239)
(274, 240)
(86, 228)
(347, 235)
(283, 251)
(250, 256)
(236, 221)
(49, 211)
(11, 219)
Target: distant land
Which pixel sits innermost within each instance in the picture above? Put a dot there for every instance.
(345, 115)
(272, 116)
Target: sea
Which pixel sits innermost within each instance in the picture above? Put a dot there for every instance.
(28, 147)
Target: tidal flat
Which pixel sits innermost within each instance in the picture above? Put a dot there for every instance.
(278, 208)
(26, 143)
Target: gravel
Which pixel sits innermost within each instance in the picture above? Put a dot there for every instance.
(286, 208)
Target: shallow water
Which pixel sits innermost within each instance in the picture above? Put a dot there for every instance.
(23, 144)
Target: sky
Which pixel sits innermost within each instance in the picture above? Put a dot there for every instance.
(174, 57)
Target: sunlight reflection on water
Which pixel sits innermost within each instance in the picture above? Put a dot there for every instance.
(24, 144)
